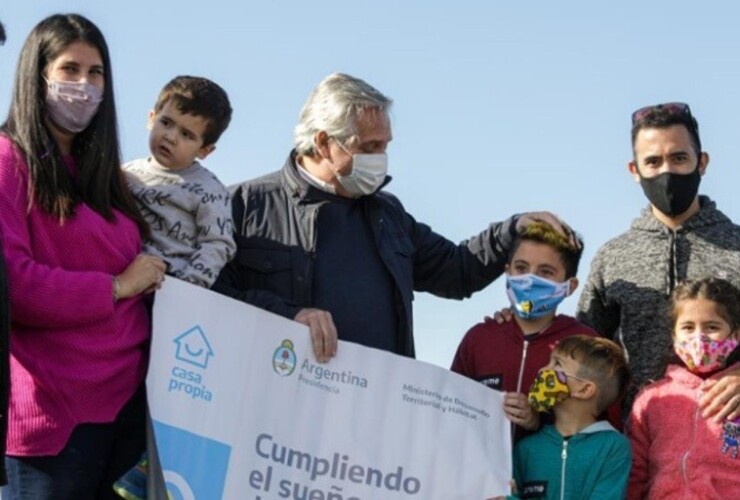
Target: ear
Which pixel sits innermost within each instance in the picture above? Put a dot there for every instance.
(205, 151)
(506, 268)
(587, 390)
(573, 285)
(632, 167)
(150, 121)
(703, 162)
(321, 143)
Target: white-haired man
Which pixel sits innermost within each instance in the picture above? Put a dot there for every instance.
(320, 241)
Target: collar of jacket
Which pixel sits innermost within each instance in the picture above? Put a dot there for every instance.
(687, 378)
(599, 426)
(302, 190)
(560, 323)
(708, 215)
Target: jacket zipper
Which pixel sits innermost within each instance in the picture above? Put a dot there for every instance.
(673, 265)
(564, 456)
(685, 456)
(521, 367)
(311, 258)
(519, 383)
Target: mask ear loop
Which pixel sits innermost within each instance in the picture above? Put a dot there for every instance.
(317, 148)
(343, 148)
(734, 355)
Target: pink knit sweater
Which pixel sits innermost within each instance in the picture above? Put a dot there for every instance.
(676, 452)
(75, 356)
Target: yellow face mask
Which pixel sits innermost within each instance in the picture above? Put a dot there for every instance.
(548, 389)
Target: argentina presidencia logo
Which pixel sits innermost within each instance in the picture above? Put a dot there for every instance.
(284, 360)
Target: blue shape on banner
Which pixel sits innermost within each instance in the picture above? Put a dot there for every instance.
(194, 466)
(284, 359)
(193, 347)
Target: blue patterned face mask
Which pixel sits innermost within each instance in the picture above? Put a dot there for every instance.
(532, 297)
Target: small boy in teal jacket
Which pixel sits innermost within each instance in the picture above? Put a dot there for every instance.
(579, 457)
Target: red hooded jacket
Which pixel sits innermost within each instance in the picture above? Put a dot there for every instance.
(503, 358)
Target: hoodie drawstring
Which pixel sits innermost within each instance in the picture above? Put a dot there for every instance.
(673, 269)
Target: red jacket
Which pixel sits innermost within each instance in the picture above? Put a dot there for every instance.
(499, 355)
(676, 452)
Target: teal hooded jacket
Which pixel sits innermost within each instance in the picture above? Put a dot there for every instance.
(595, 463)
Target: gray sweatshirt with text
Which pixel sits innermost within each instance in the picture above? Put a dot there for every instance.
(189, 211)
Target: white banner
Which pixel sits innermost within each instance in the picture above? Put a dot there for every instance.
(242, 410)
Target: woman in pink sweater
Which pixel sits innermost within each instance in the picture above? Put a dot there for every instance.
(71, 237)
(677, 453)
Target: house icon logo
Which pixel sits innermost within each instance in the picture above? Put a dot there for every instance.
(284, 359)
(193, 347)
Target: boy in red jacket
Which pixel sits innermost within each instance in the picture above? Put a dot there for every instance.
(540, 274)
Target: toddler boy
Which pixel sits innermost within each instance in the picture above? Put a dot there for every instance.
(186, 205)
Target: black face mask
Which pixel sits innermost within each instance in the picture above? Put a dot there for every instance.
(671, 193)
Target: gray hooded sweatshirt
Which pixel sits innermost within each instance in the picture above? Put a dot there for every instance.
(632, 276)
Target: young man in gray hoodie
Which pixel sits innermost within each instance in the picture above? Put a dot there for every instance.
(679, 236)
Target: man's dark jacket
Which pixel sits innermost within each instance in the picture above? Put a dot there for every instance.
(274, 225)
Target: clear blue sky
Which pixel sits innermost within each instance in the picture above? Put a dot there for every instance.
(500, 107)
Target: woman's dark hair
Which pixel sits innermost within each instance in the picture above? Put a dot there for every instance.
(99, 181)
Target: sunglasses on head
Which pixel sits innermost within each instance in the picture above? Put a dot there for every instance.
(672, 108)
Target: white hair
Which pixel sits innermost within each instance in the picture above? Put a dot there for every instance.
(334, 106)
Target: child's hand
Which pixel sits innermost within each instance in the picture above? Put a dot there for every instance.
(513, 492)
(144, 275)
(520, 412)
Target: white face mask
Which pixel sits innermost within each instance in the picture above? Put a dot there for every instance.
(367, 175)
(72, 105)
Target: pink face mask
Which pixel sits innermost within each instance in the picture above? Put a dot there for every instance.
(701, 354)
(72, 105)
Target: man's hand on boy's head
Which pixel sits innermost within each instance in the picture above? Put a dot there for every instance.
(721, 399)
(527, 218)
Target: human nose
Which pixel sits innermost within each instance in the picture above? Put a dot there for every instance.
(170, 135)
(671, 166)
(83, 77)
(679, 165)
